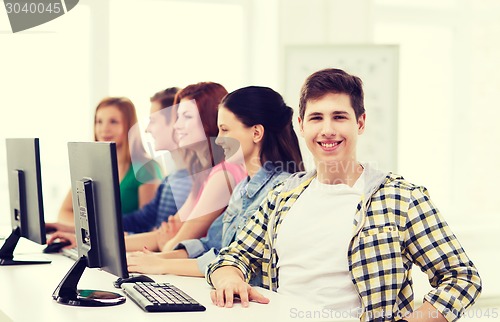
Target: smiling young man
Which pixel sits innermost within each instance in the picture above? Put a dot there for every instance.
(346, 235)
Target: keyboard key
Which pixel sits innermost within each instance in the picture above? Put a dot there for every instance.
(160, 297)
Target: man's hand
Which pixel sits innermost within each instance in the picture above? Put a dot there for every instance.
(228, 282)
(147, 264)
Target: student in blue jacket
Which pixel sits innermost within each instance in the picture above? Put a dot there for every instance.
(255, 126)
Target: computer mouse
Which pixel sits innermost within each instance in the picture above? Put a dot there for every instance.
(132, 279)
(56, 247)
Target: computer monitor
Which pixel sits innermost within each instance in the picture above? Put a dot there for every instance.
(26, 202)
(98, 222)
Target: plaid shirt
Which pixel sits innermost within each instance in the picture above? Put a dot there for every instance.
(396, 225)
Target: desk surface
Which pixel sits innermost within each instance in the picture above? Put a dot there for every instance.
(26, 295)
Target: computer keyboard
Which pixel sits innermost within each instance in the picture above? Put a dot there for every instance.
(160, 297)
(71, 253)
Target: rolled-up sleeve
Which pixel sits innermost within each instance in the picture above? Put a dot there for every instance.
(211, 243)
(193, 247)
(454, 277)
(206, 259)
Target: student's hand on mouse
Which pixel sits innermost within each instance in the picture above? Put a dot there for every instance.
(228, 282)
(149, 264)
(63, 236)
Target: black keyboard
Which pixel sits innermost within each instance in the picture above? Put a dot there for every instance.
(160, 297)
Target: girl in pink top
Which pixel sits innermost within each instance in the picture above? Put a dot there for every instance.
(213, 179)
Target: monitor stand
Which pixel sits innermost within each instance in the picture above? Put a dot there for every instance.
(67, 292)
(7, 251)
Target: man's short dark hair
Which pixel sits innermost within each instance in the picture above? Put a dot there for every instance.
(336, 81)
(165, 97)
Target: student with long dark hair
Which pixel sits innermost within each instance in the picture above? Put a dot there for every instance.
(255, 127)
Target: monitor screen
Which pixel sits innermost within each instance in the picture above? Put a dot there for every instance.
(25, 192)
(98, 222)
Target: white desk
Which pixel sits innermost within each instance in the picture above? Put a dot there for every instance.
(26, 295)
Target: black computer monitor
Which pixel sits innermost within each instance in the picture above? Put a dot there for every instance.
(98, 222)
(26, 202)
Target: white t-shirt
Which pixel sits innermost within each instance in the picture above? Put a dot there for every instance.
(312, 245)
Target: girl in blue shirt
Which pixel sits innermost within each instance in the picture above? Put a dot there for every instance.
(255, 127)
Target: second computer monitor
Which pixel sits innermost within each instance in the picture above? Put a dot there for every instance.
(98, 222)
(94, 165)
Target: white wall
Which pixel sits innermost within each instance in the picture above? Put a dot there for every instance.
(449, 81)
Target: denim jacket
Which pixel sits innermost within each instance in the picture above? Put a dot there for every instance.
(244, 202)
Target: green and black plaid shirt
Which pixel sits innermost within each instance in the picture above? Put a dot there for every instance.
(398, 226)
